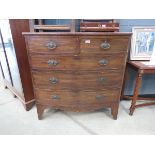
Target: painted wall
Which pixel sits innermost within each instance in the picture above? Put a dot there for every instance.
(148, 81)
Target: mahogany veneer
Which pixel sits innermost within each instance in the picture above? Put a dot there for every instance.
(77, 71)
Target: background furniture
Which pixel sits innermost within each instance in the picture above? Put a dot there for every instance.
(77, 71)
(99, 25)
(38, 25)
(140, 69)
(14, 60)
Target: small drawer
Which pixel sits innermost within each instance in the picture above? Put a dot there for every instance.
(77, 80)
(83, 99)
(52, 45)
(105, 44)
(108, 61)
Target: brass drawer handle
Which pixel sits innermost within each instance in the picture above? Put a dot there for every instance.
(55, 97)
(99, 97)
(105, 45)
(52, 62)
(51, 45)
(101, 80)
(53, 80)
(103, 62)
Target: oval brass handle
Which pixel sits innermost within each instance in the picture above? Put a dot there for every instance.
(51, 45)
(101, 80)
(99, 97)
(53, 80)
(55, 97)
(105, 45)
(103, 62)
(52, 62)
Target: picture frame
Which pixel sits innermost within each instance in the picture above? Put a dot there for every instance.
(142, 43)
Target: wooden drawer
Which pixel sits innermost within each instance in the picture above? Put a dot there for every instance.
(77, 80)
(108, 61)
(53, 44)
(104, 44)
(80, 98)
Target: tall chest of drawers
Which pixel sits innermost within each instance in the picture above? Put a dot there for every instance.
(77, 71)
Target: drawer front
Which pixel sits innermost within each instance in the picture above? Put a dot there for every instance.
(52, 44)
(77, 80)
(81, 98)
(115, 61)
(105, 44)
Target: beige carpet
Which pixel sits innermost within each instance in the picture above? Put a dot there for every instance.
(15, 120)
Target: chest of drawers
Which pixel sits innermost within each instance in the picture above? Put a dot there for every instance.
(77, 71)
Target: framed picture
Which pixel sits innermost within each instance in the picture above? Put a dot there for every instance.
(142, 43)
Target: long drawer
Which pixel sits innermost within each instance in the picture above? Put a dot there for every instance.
(80, 98)
(77, 80)
(108, 61)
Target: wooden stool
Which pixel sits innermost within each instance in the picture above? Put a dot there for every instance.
(141, 69)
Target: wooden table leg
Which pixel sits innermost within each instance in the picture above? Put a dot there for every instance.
(136, 91)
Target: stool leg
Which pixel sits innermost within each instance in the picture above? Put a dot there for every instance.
(136, 91)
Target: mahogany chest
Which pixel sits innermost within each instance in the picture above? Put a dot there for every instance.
(81, 71)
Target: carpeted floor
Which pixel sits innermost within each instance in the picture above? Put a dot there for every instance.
(15, 120)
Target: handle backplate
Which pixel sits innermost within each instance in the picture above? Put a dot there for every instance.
(99, 97)
(101, 80)
(51, 45)
(105, 45)
(52, 62)
(56, 97)
(53, 80)
(103, 62)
